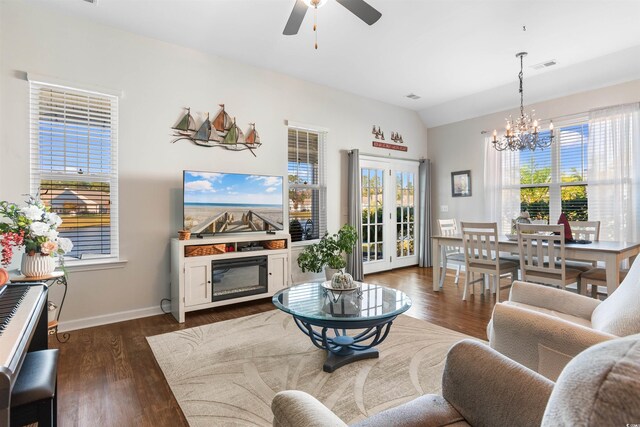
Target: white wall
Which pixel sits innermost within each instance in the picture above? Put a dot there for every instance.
(460, 146)
(157, 80)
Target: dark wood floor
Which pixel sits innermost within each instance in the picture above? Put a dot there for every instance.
(109, 377)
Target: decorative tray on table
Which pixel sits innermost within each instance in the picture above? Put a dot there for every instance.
(327, 286)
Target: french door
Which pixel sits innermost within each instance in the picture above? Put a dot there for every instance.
(389, 213)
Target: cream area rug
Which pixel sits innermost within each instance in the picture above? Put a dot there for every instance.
(226, 373)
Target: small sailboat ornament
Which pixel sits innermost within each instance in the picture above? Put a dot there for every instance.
(186, 124)
(252, 135)
(222, 122)
(204, 132)
(222, 131)
(233, 134)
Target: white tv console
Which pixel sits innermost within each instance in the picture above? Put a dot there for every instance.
(191, 276)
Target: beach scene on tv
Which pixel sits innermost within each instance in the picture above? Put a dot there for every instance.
(230, 203)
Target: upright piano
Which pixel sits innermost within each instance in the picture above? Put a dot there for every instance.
(23, 328)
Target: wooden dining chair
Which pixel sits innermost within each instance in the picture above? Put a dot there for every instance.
(597, 278)
(542, 256)
(450, 254)
(480, 243)
(585, 230)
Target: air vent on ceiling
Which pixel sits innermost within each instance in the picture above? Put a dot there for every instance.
(413, 96)
(544, 64)
(91, 1)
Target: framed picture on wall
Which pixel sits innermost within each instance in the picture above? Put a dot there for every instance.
(461, 184)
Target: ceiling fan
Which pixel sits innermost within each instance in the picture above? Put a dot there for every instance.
(360, 8)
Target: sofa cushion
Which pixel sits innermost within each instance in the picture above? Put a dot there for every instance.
(600, 386)
(564, 316)
(619, 314)
(425, 411)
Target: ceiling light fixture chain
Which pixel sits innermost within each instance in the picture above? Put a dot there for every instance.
(521, 77)
(315, 24)
(524, 132)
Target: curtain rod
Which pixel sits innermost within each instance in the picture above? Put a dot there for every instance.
(420, 160)
(580, 114)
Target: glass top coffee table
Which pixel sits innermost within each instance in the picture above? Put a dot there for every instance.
(326, 316)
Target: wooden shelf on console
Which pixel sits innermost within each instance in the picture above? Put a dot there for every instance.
(191, 260)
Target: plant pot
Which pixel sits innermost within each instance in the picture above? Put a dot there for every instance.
(37, 265)
(329, 272)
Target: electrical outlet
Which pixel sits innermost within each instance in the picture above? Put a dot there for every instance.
(444, 208)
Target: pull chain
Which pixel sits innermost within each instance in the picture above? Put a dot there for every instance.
(315, 25)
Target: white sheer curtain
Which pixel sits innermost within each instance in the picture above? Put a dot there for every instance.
(614, 171)
(501, 191)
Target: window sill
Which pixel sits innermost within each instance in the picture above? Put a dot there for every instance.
(303, 243)
(97, 264)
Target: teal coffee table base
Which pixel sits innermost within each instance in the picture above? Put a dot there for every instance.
(342, 349)
(348, 325)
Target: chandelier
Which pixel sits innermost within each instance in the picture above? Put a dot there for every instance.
(524, 132)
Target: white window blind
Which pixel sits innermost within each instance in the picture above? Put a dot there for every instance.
(307, 187)
(554, 180)
(74, 165)
(573, 169)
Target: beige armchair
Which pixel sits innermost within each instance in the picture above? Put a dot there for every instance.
(481, 387)
(543, 328)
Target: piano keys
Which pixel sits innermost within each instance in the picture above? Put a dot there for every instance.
(23, 328)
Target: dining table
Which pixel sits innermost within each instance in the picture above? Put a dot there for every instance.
(610, 253)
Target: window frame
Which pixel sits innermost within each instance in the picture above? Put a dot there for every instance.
(321, 186)
(37, 175)
(555, 183)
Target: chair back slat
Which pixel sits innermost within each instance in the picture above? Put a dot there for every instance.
(585, 230)
(480, 243)
(449, 227)
(539, 247)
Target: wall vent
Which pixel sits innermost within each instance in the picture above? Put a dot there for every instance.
(545, 64)
(413, 96)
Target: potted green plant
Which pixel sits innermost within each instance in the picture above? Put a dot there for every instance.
(329, 252)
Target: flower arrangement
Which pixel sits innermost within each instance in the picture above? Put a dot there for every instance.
(32, 226)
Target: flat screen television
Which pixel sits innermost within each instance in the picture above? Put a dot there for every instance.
(231, 202)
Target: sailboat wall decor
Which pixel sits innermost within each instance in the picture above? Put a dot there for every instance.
(222, 131)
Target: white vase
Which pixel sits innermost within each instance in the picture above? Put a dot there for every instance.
(329, 272)
(37, 265)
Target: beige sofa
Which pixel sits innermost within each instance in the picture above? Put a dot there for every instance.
(481, 387)
(543, 328)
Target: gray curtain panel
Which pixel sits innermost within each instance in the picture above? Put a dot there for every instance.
(424, 221)
(354, 260)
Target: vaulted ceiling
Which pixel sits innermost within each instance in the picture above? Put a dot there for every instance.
(445, 51)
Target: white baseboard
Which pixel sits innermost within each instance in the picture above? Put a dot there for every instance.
(105, 319)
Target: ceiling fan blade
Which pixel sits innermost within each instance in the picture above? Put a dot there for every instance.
(362, 10)
(295, 19)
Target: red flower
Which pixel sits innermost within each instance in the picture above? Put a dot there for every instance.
(9, 241)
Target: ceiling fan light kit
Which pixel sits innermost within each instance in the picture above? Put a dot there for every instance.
(314, 3)
(524, 132)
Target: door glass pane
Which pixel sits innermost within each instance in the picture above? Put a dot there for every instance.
(372, 183)
(405, 218)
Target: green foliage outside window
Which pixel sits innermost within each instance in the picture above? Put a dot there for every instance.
(535, 200)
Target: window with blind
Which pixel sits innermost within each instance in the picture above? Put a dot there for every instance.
(74, 165)
(307, 190)
(554, 180)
